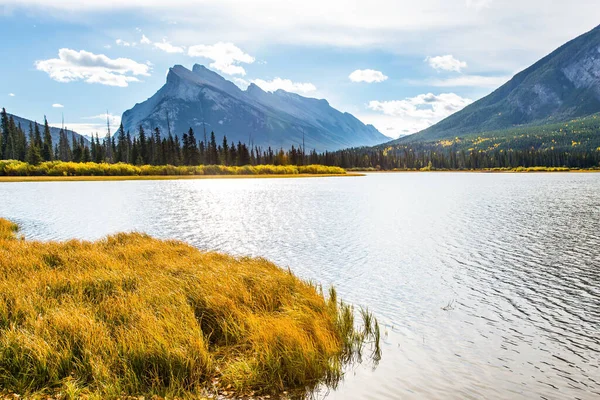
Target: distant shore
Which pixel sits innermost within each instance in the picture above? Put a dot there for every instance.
(490, 170)
(162, 177)
(19, 171)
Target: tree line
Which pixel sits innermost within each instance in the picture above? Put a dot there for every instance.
(151, 148)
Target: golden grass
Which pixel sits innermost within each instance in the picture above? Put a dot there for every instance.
(12, 168)
(132, 315)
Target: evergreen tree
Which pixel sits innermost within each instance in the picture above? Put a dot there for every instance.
(225, 152)
(5, 133)
(47, 154)
(121, 153)
(37, 136)
(157, 154)
(193, 148)
(213, 152)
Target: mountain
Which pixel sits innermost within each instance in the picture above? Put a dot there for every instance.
(562, 86)
(54, 132)
(278, 119)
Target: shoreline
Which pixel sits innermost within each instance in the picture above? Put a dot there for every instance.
(484, 171)
(98, 178)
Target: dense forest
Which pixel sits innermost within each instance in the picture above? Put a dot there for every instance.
(152, 148)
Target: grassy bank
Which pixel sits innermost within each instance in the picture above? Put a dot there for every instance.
(132, 315)
(519, 169)
(13, 168)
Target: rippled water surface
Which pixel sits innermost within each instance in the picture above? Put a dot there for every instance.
(488, 285)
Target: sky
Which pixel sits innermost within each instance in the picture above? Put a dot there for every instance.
(397, 64)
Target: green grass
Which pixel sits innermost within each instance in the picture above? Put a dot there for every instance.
(130, 315)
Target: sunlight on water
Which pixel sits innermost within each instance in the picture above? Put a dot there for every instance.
(487, 285)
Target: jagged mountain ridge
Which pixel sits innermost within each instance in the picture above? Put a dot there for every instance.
(201, 97)
(561, 86)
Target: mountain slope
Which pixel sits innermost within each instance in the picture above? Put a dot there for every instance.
(54, 132)
(280, 119)
(559, 87)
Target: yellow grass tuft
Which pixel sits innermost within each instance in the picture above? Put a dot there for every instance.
(133, 315)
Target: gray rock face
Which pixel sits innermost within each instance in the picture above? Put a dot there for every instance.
(559, 87)
(202, 98)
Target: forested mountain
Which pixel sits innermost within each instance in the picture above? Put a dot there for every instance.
(203, 99)
(561, 86)
(54, 132)
(24, 140)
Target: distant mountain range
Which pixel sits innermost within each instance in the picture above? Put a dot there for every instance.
(54, 132)
(560, 87)
(203, 99)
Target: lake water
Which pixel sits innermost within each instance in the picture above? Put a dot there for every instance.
(486, 285)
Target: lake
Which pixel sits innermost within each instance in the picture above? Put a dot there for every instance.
(486, 285)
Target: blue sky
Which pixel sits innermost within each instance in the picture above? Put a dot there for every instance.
(400, 65)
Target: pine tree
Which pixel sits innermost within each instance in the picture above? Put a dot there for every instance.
(5, 133)
(225, 151)
(47, 148)
(21, 143)
(37, 136)
(121, 153)
(213, 152)
(193, 148)
(157, 156)
(143, 148)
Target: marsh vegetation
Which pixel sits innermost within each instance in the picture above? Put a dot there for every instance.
(133, 315)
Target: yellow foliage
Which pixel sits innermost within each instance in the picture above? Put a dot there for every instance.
(61, 168)
(132, 315)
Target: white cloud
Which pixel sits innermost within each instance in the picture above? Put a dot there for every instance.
(408, 27)
(57, 105)
(415, 113)
(164, 45)
(89, 128)
(72, 65)
(112, 118)
(367, 75)
(478, 4)
(467, 81)
(285, 84)
(446, 63)
(11, 94)
(123, 43)
(242, 83)
(167, 47)
(225, 57)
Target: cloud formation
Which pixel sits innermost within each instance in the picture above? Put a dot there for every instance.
(72, 65)
(123, 43)
(446, 63)
(415, 113)
(167, 47)
(367, 75)
(57, 105)
(226, 57)
(91, 128)
(469, 81)
(11, 94)
(285, 84)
